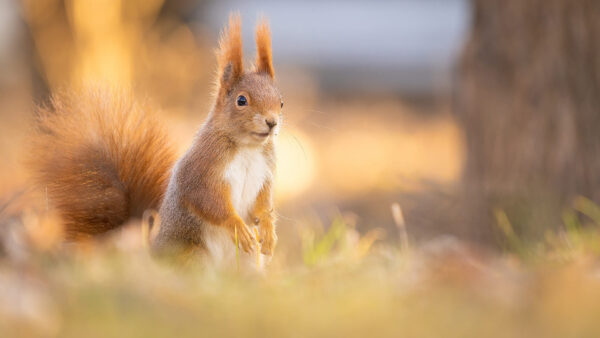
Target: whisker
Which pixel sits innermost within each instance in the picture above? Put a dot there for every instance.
(323, 127)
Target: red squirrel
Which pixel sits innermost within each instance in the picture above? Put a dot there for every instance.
(103, 160)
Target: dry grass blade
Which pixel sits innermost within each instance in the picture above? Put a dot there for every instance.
(401, 225)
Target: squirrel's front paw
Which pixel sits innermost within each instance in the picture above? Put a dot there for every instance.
(245, 238)
(268, 239)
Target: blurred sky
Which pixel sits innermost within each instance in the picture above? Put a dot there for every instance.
(9, 33)
(404, 45)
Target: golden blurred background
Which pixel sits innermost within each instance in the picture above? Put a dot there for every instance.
(340, 147)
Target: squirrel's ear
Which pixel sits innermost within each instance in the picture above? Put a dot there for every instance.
(229, 55)
(264, 61)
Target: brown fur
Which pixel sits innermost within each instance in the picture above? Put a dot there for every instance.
(229, 56)
(103, 160)
(262, 214)
(198, 195)
(264, 59)
(100, 158)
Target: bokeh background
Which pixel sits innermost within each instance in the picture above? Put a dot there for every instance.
(455, 109)
(367, 87)
(438, 171)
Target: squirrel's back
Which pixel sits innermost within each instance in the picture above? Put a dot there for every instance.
(100, 159)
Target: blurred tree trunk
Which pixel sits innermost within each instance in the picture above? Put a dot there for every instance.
(529, 99)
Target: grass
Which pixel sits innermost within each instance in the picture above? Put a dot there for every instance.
(344, 285)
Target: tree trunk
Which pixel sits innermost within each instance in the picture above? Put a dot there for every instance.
(529, 99)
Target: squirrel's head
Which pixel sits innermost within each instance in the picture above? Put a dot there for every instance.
(248, 104)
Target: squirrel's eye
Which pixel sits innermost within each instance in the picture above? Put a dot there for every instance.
(242, 101)
(281, 104)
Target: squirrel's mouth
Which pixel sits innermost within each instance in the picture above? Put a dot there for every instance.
(261, 134)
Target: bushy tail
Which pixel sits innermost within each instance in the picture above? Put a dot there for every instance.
(100, 159)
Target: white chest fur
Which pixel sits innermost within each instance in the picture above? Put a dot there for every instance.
(246, 174)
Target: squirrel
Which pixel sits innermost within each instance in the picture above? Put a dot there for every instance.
(102, 160)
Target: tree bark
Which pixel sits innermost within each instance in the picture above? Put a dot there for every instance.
(529, 100)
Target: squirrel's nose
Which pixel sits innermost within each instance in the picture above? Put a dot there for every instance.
(271, 123)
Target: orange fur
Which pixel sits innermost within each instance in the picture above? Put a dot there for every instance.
(262, 214)
(198, 180)
(103, 160)
(100, 158)
(264, 59)
(229, 55)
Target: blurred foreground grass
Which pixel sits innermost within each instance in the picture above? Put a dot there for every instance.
(342, 285)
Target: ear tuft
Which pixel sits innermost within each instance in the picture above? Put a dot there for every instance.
(229, 55)
(264, 60)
